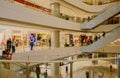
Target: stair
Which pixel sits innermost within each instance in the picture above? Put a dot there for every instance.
(109, 37)
(109, 12)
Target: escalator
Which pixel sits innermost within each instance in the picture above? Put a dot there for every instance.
(89, 8)
(109, 12)
(109, 37)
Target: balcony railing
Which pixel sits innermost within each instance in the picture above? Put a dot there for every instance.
(81, 64)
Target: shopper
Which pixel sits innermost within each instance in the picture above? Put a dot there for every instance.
(38, 71)
(87, 74)
(31, 44)
(49, 42)
(45, 74)
(13, 45)
(82, 37)
(66, 69)
(9, 44)
(111, 67)
(103, 34)
(34, 40)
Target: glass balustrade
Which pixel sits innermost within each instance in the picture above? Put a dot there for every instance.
(28, 69)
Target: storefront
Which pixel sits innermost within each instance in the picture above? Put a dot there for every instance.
(16, 35)
(69, 39)
(22, 37)
(43, 39)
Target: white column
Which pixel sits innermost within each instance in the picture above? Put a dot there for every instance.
(55, 9)
(89, 1)
(55, 39)
(95, 55)
(55, 70)
(118, 71)
(106, 1)
(119, 19)
(27, 70)
(95, 2)
(91, 72)
(71, 69)
(23, 47)
(115, 59)
(55, 42)
(0, 69)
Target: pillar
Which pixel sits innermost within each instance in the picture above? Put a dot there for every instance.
(95, 55)
(27, 70)
(22, 39)
(55, 39)
(106, 1)
(55, 9)
(89, 1)
(95, 2)
(0, 69)
(119, 19)
(91, 72)
(116, 59)
(71, 69)
(100, 2)
(55, 70)
(55, 42)
(118, 71)
(75, 57)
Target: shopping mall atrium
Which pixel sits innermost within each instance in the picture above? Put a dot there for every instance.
(59, 38)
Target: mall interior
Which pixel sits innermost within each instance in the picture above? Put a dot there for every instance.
(59, 38)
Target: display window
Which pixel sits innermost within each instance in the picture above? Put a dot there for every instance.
(25, 40)
(39, 37)
(2, 42)
(16, 35)
(22, 37)
(43, 39)
(71, 39)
